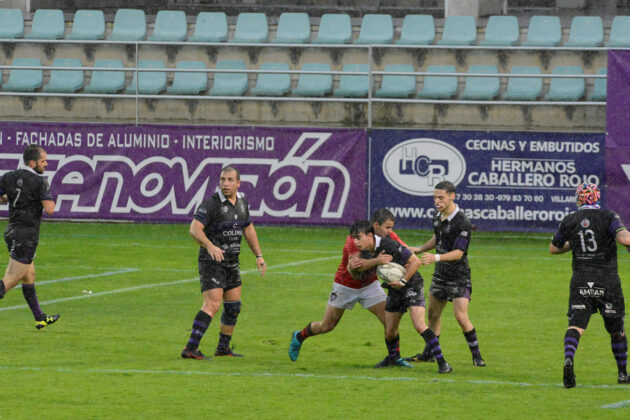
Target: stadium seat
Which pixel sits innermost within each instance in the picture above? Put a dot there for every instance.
(150, 83)
(417, 30)
(210, 27)
(314, 84)
(11, 23)
(353, 85)
(459, 30)
(544, 31)
(170, 25)
(251, 27)
(88, 24)
(397, 86)
(586, 31)
(106, 81)
(524, 88)
(22, 80)
(47, 24)
(65, 81)
(501, 31)
(599, 88)
(229, 84)
(439, 87)
(129, 25)
(619, 32)
(376, 29)
(293, 28)
(334, 28)
(189, 83)
(566, 89)
(273, 84)
(481, 88)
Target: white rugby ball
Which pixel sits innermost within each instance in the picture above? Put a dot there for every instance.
(390, 272)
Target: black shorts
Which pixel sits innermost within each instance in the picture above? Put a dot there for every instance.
(444, 290)
(401, 299)
(213, 275)
(21, 250)
(587, 298)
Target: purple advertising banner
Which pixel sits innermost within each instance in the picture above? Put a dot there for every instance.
(505, 181)
(161, 173)
(618, 133)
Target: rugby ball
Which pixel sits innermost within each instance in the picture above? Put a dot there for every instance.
(390, 272)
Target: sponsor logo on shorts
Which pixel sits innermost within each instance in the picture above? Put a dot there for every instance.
(592, 291)
(578, 306)
(333, 296)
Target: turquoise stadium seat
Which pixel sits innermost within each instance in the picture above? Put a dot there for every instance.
(150, 83)
(11, 23)
(129, 25)
(501, 31)
(21, 80)
(459, 30)
(544, 31)
(417, 30)
(599, 88)
(106, 81)
(481, 88)
(569, 89)
(439, 87)
(47, 24)
(334, 28)
(619, 32)
(524, 88)
(293, 28)
(210, 27)
(229, 84)
(189, 83)
(170, 25)
(273, 84)
(251, 27)
(353, 85)
(65, 81)
(397, 86)
(88, 24)
(376, 29)
(314, 84)
(586, 31)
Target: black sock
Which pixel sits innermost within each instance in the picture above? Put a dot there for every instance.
(28, 290)
(224, 341)
(571, 340)
(433, 345)
(199, 327)
(427, 351)
(393, 347)
(619, 345)
(305, 333)
(2, 289)
(473, 344)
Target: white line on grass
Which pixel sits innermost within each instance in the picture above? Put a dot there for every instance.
(619, 404)
(304, 376)
(87, 276)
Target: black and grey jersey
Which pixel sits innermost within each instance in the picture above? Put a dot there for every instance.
(25, 189)
(452, 233)
(223, 225)
(591, 232)
(400, 254)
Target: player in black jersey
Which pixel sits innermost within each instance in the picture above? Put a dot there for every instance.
(451, 278)
(218, 226)
(591, 234)
(28, 194)
(407, 293)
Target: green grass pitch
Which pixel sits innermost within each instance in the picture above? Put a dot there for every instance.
(115, 352)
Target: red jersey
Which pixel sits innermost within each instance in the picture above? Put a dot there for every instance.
(343, 276)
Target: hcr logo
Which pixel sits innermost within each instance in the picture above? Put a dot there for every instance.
(415, 166)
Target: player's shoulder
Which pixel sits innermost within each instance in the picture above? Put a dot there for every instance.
(462, 220)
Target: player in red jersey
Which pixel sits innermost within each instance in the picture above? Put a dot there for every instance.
(355, 281)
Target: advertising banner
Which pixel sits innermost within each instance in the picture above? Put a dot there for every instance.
(505, 181)
(161, 173)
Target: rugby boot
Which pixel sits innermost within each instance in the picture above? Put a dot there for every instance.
(193, 354)
(569, 374)
(623, 378)
(479, 362)
(444, 368)
(421, 357)
(294, 346)
(226, 351)
(390, 361)
(46, 320)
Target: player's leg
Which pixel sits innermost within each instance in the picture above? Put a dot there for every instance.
(460, 308)
(331, 318)
(579, 315)
(14, 273)
(231, 310)
(434, 314)
(211, 303)
(30, 295)
(392, 341)
(432, 342)
(619, 346)
(379, 311)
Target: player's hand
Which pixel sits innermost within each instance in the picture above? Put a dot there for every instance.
(262, 266)
(427, 258)
(396, 284)
(215, 253)
(354, 263)
(383, 258)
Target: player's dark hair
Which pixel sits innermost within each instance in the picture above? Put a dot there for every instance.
(32, 152)
(446, 186)
(381, 216)
(361, 226)
(230, 168)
